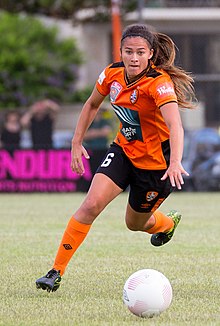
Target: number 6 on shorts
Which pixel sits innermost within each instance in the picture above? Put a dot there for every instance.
(108, 160)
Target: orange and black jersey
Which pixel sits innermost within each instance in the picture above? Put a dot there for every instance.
(143, 134)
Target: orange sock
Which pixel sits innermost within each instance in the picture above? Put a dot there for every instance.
(73, 236)
(163, 223)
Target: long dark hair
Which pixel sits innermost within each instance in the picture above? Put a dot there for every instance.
(163, 58)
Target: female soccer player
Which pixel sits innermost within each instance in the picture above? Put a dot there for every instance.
(145, 91)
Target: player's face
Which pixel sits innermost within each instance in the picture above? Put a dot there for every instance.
(135, 54)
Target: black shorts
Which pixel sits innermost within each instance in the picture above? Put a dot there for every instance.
(146, 190)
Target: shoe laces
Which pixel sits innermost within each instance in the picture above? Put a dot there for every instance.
(52, 273)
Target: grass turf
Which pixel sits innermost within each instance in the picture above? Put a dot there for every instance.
(91, 289)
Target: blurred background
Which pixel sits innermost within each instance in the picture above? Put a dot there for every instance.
(51, 55)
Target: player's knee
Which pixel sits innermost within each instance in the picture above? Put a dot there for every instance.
(91, 207)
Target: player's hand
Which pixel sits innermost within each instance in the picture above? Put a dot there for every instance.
(77, 152)
(175, 173)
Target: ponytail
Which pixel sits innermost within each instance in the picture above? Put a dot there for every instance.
(163, 58)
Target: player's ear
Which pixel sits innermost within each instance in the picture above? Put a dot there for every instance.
(151, 53)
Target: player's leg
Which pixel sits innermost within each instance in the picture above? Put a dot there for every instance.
(161, 226)
(149, 222)
(147, 193)
(108, 182)
(160, 237)
(102, 191)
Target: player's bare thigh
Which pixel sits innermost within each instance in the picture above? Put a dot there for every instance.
(101, 192)
(136, 221)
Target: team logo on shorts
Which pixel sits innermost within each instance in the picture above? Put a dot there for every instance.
(115, 90)
(151, 195)
(134, 96)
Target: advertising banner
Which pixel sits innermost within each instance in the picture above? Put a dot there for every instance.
(44, 171)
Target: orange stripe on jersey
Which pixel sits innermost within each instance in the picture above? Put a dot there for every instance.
(143, 133)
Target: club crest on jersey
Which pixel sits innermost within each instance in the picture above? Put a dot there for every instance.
(151, 195)
(134, 96)
(115, 90)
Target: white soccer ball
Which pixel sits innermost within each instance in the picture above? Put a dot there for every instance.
(147, 293)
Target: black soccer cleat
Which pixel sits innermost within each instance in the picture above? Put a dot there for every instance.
(50, 282)
(160, 238)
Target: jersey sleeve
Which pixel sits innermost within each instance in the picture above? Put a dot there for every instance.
(162, 91)
(102, 84)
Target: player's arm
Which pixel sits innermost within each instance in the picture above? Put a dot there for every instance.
(86, 117)
(171, 115)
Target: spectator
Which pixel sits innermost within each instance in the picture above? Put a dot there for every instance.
(11, 131)
(40, 119)
(97, 136)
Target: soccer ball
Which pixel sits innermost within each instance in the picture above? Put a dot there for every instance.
(147, 293)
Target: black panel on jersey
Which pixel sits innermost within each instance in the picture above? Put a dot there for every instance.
(117, 65)
(153, 73)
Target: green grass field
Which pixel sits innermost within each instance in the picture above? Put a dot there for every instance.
(91, 289)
